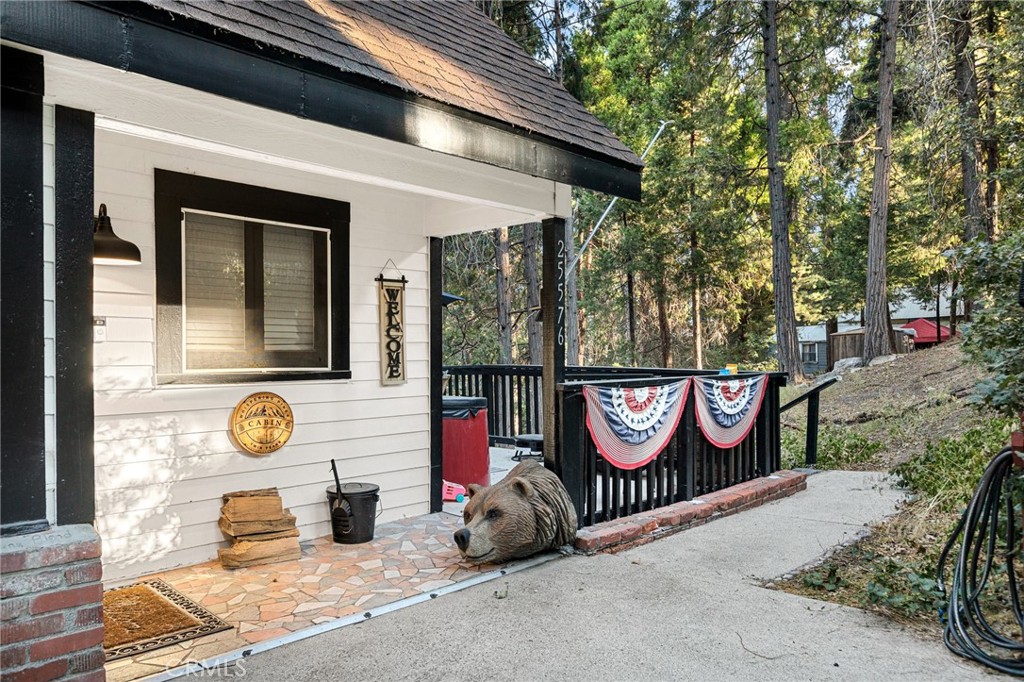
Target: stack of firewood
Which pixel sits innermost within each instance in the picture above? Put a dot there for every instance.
(263, 531)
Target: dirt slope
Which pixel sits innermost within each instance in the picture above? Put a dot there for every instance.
(902, 405)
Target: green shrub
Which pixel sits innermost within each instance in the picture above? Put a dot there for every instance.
(948, 470)
(840, 448)
(793, 445)
(995, 338)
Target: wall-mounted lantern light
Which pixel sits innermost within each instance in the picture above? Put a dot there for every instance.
(107, 247)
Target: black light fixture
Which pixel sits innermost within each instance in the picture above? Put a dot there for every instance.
(447, 299)
(107, 247)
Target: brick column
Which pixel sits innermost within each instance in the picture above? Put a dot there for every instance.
(51, 606)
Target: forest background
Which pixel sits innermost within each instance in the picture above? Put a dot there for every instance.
(692, 275)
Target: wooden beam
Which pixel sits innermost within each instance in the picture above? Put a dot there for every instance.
(73, 274)
(553, 315)
(22, 366)
(436, 382)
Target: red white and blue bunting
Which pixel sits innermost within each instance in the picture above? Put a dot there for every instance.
(727, 408)
(631, 426)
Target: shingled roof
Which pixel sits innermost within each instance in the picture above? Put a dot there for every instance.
(448, 51)
(436, 74)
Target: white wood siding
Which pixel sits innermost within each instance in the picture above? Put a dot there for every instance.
(49, 326)
(163, 454)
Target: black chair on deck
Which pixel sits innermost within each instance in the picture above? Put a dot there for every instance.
(529, 446)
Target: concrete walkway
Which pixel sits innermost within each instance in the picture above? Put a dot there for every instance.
(687, 607)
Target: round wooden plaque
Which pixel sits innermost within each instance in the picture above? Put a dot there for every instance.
(262, 423)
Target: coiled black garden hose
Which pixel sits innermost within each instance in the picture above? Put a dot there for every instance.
(993, 508)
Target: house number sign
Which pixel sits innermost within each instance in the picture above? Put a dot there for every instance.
(391, 299)
(262, 423)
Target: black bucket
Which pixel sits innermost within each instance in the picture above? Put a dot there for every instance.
(354, 516)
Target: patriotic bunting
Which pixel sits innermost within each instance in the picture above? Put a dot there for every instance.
(631, 426)
(727, 408)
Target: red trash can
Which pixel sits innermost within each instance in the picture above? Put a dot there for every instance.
(465, 457)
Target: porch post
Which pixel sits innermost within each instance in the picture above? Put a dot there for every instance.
(73, 274)
(436, 381)
(22, 366)
(553, 313)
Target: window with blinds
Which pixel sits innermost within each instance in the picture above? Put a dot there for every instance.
(251, 282)
(255, 294)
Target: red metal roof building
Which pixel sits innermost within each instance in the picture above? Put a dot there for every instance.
(924, 332)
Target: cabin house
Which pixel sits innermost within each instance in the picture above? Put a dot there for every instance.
(848, 339)
(271, 162)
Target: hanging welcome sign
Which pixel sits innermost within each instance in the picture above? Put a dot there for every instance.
(631, 426)
(727, 408)
(391, 306)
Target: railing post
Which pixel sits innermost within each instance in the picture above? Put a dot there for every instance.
(690, 445)
(572, 449)
(486, 384)
(762, 435)
(776, 420)
(811, 450)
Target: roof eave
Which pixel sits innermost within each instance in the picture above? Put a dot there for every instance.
(135, 38)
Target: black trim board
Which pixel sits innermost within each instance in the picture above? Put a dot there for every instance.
(132, 37)
(436, 368)
(73, 275)
(22, 366)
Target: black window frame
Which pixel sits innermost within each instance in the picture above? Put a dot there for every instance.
(176, 193)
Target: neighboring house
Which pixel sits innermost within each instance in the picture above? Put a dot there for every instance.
(814, 346)
(911, 309)
(923, 333)
(269, 160)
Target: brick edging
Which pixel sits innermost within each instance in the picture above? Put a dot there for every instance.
(51, 614)
(639, 529)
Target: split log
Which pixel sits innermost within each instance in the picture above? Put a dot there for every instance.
(263, 508)
(261, 492)
(263, 537)
(237, 529)
(244, 553)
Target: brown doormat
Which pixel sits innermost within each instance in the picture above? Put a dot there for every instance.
(149, 615)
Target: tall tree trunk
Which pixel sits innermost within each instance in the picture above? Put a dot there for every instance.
(631, 312)
(531, 250)
(664, 325)
(698, 327)
(572, 321)
(970, 115)
(557, 25)
(503, 272)
(878, 332)
(990, 143)
(782, 269)
(953, 313)
(585, 264)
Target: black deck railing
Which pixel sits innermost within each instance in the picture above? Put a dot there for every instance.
(813, 398)
(689, 467)
(513, 393)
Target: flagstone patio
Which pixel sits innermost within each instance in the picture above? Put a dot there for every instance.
(406, 558)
